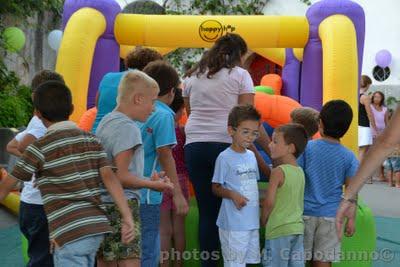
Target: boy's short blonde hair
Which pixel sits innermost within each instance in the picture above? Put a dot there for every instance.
(133, 81)
(308, 117)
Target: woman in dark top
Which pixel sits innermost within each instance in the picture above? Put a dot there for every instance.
(365, 118)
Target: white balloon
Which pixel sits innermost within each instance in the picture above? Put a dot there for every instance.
(54, 39)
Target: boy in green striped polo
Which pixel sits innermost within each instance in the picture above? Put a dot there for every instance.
(70, 165)
(284, 199)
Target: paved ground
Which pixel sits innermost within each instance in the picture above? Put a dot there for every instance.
(382, 199)
(7, 219)
(385, 204)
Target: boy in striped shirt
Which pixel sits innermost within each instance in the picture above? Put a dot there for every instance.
(70, 166)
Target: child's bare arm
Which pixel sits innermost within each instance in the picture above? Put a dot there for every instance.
(276, 180)
(167, 163)
(25, 142)
(117, 193)
(127, 179)
(12, 148)
(7, 184)
(263, 167)
(263, 140)
(220, 191)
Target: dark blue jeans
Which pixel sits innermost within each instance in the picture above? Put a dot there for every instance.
(150, 231)
(33, 224)
(200, 161)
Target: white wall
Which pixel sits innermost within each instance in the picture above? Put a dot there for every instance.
(382, 32)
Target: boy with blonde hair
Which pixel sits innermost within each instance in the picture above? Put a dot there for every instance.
(122, 141)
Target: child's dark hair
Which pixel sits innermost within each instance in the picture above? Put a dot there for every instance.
(140, 57)
(164, 74)
(45, 76)
(53, 100)
(294, 133)
(242, 113)
(336, 117)
(308, 117)
(225, 53)
(382, 103)
(177, 103)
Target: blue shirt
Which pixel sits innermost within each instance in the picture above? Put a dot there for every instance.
(158, 131)
(326, 166)
(108, 91)
(238, 172)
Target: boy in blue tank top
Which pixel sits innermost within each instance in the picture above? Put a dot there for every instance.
(327, 165)
(283, 204)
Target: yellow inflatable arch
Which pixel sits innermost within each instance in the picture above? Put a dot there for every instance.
(335, 70)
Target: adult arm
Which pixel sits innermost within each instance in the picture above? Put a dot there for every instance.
(377, 153)
(186, 101)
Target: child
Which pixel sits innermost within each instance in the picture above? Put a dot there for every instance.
(172, 225)
(32, 217)
(106, 96)
(327, 165)
(68, 164)
(122, 141)
(235, 180)
(308, 117)
(392, 167)
(283, 203)
(392, 164)
(158, 134)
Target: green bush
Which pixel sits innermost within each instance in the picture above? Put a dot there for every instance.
(15, 101)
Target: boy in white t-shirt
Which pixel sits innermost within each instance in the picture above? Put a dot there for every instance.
(235, 180)
(32, 218)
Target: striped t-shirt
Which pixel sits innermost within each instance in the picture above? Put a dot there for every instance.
(66, 162)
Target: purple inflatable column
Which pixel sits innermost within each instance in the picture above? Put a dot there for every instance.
(106, 54)
(291, 76)
(311, 73)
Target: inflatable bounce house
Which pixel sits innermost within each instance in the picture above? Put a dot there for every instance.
(320, 55)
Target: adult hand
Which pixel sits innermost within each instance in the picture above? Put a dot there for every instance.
(346, 214)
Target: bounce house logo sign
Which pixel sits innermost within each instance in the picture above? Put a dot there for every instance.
(211, 30)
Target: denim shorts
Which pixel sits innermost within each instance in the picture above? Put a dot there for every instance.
(392, 164)
(284, 251)
(81, 252)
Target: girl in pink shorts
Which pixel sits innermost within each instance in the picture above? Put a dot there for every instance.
(172, 226)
